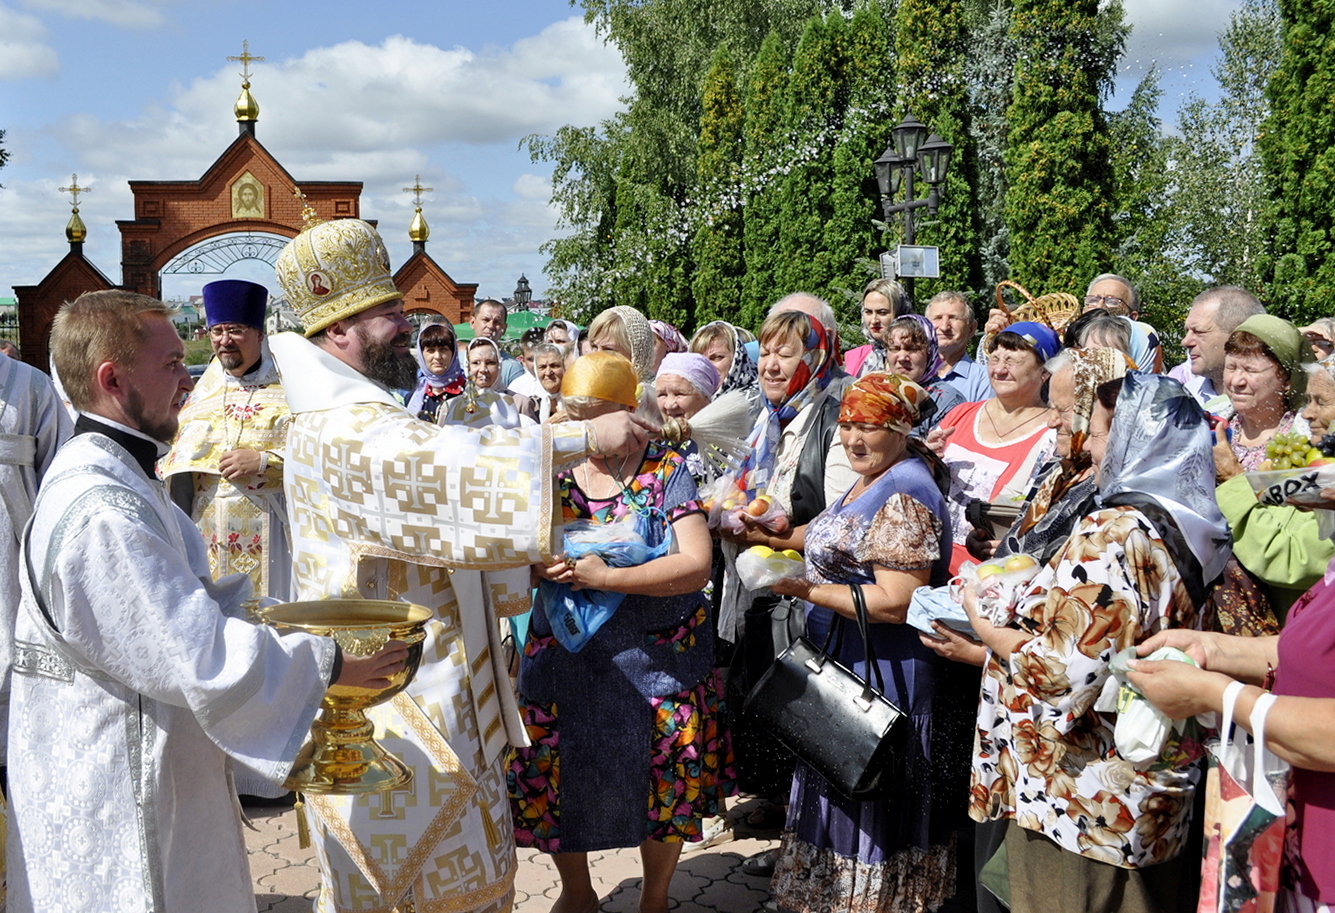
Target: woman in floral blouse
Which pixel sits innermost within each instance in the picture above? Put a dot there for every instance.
(1083, 823)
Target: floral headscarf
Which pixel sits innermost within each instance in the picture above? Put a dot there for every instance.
(806, 387)
(891, 400)
(670, 335)
(878, 362)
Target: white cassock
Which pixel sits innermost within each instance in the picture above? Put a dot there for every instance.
(33, 423)
(135, 678)
(384, 506)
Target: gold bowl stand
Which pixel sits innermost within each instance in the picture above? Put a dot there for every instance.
(341, 757)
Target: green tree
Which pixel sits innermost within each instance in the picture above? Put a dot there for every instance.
(1218, 181)
(764, 159)
(716, 242)
(991, 73)
(931, 54)
(814, 121)
(1059, 198)
(1297, 146)
(851, 230)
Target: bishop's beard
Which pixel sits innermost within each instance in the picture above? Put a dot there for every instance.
(384, 364)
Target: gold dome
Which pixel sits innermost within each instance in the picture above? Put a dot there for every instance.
(247, 108)
(75, 230)
(419, 231)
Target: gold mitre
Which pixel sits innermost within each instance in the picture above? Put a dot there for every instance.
(606, 376)
(333, 270)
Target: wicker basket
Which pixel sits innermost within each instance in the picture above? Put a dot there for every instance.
(1054, 310)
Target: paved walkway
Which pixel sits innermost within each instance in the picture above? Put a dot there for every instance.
(706, 881)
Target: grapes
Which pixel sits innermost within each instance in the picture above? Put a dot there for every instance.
(1290, 450)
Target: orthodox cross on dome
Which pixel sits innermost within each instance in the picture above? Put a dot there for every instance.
(246, 59)
(75, 190)
(417, 190)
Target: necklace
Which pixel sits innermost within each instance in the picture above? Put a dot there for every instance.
(997, 431)
(588, 477)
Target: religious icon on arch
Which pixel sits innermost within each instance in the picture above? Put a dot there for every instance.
(247, 198)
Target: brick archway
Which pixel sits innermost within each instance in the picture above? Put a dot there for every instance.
(245, 190)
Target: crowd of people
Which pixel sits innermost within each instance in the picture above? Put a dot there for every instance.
(580, 494)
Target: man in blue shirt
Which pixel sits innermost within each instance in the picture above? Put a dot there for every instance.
(489, 320)
(955, 325)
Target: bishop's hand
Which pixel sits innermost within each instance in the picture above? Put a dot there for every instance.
(619, 433)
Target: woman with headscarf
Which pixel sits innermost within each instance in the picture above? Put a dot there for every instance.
(562, 333)
(994, 446)
(1080, 820)
(796, 460)
(486, 400)
(686, 383)
(667, 339)
(911, 350)
(625, 748)
(723, 344)
(440, 374)
(625, 331)
(888, 534)
(1266, 381)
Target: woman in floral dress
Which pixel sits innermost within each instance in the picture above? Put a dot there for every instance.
(1084, 826)
(625, 748)
(888, 534)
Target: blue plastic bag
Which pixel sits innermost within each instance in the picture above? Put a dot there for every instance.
(576, 616)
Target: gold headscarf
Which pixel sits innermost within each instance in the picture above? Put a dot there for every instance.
(606, 376)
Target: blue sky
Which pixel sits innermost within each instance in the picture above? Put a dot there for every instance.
(120, 90)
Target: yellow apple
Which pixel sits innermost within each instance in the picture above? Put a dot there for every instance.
(1019, 563)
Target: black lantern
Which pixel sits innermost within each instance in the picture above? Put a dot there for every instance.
(909, 136)
(523, 294)
(935, 158)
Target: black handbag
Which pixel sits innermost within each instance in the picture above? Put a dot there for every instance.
(830, 717)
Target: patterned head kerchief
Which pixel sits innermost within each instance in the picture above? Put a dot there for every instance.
(742, 375)
(670, 335)
(1090, 369)
(806, 387)
(1043, 339)
(641, 337)
(879, 360)
(694, 369)
(891, 400)
(605, 376)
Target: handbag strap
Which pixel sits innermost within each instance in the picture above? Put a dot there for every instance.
(860, 605)
(1231, 692)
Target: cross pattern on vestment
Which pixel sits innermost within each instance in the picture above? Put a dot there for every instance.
(74, 189)
(417, 190)
(246, 59)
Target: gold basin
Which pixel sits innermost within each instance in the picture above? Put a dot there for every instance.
(341, 757)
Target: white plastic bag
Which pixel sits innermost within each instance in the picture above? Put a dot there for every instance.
(759, 567)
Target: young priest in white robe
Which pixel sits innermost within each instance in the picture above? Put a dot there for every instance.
(136, 677)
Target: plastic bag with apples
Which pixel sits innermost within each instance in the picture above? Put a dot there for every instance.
(726, 502)
(998, 584)
(761, 566)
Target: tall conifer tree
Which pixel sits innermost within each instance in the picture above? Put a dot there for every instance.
(1298, 147)
(716, 242)
(1059, 198)
(931, 54)
(765, 157)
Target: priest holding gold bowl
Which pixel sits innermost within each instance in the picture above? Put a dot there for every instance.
(383, 506)
(137, 678)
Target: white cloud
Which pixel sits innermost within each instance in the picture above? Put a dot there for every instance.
(532, 187)
(1176, 32)
(24, 52)
(379, 114)
(124, 13)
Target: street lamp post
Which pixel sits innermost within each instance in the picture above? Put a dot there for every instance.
(904, 156)
(523, 294)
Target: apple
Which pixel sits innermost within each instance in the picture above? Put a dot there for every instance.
(758, 506)
(792, 554)
(762, 551)
(988, 570)
(1019, 563)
